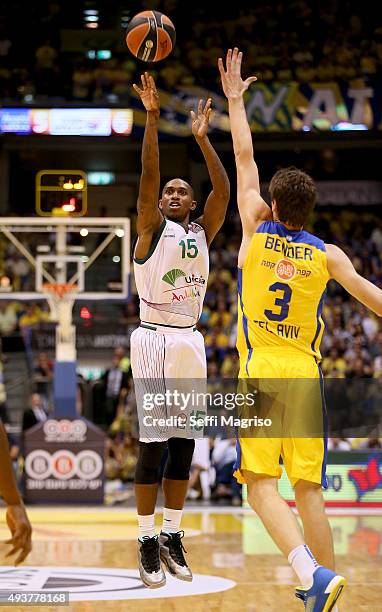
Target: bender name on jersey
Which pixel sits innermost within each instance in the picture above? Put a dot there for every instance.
(290, 269)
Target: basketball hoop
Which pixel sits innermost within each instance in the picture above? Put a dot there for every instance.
(59, 290)
(61, 298)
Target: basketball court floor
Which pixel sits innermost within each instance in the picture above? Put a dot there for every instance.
(91, 553)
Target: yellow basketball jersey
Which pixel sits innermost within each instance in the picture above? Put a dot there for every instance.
(281, 292)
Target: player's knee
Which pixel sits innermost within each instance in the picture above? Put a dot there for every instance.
(260, 486)
(307, 492)
(180, 451)
(148, 463)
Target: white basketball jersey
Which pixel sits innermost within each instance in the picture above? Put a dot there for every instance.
(172, 280)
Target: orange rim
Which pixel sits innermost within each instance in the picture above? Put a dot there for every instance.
(59, 289)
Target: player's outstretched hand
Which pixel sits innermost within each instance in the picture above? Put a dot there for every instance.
(148, 93)
(200, 119)
(233, 84)
(21, 530)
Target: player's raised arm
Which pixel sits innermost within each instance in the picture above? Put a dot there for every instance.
(149, 216)
(17, 519)
(216, 204)
(342, 270)
(252, 208)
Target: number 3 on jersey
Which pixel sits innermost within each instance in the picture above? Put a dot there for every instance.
(190, 250)
(283, 302)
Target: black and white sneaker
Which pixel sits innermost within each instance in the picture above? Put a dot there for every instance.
(171, 553)
(150, 569)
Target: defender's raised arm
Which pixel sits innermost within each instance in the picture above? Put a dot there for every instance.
(252, 208)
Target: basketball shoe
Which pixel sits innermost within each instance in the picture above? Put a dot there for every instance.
(324, 593)
(300, 594)
(171, 553)
(150, 569)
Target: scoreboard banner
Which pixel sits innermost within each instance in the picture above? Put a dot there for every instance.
(66, 121)
(275, 107)
(271, 107)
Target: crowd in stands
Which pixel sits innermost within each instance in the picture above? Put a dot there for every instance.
(282, 42)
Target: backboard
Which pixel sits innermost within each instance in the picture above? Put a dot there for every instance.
(91, 254)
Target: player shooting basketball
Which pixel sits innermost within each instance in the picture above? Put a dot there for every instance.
(17, 519)
(279, 333)
(171, 264)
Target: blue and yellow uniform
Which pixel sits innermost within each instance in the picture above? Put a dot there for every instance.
(281, 292)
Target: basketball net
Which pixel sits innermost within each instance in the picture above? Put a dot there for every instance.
(61, 298)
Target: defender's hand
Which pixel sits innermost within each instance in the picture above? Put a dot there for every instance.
(148, 93)
(21, 530)
(200, 119)
(233, 84)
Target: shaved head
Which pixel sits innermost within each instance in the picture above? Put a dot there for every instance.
(179, 182)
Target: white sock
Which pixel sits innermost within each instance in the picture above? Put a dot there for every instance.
(304, 564)
(171, 520)
(146, 525)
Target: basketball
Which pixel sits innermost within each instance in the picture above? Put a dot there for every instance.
(150, 36)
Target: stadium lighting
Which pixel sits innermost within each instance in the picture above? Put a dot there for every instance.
(104, 54)
(84, 231)
(101, 178)
(85, 313)
(69, 206)
(344, 126)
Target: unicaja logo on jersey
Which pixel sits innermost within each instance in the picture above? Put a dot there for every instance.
(172, 275)
(285, 269)
(196, 280)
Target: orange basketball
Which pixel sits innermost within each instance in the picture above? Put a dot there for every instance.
(150, 36)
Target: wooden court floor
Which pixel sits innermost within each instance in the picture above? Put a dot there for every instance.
(92, 554)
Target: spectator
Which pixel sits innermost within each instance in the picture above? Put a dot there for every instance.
(123, 359)
(373, 442)
(46, 56)
(333, 360)
(121, 457)
(223, 459)
(114, 380)
(43, 375)
(35, 414)
(199, 483)
(8, 318)
(340, 444)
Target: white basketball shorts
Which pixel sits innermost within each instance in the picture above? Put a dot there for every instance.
(170, 372)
